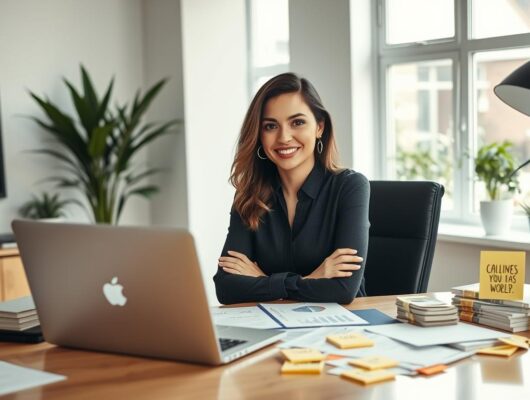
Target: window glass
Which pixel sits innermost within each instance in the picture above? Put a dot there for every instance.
(269, 26)
(421, 122)
(499, 17)
(495, 121)
(419, 20)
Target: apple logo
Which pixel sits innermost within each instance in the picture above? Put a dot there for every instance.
(113, 292)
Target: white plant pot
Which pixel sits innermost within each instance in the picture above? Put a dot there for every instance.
(496, 216)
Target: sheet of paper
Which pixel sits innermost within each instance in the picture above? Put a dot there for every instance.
(429, 336)
(307, 315)
(409, 357)
(243, 317)
(14, 378)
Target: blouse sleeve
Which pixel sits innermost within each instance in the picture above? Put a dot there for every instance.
(351, 232)
(232, 288)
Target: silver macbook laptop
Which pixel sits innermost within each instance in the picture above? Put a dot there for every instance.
(126, 290)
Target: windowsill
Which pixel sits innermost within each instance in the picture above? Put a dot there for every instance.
(467, 234)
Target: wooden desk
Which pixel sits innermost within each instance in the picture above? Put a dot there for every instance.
(100, 376)
(13, 282)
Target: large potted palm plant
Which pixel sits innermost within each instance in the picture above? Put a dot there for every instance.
(96, 148)
(495, 166)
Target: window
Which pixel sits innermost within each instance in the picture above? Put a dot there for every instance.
(268, 22)
(437, 97)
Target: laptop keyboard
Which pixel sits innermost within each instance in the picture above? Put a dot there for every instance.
(229, 343)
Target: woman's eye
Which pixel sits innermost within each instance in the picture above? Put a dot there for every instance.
(269, 127)
(298, 122)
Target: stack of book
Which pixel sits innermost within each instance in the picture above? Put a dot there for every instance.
(425, 311)
(18, 315)
(509, 315)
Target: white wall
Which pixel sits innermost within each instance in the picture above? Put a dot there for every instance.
(457, 264)
(215, 101)
(163, 59)
(320, 51)
(42, 41)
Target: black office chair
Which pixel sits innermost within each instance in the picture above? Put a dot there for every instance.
(403, 229)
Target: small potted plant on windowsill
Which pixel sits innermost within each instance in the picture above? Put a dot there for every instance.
(495, 166)
(44, 207)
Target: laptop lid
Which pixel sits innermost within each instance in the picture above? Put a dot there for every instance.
(118, 289)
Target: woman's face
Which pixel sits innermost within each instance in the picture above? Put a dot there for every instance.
(289, 131)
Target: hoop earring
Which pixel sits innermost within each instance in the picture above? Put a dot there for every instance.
(259, 155)
(320, 146)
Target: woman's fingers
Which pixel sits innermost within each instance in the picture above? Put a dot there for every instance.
(231, 271)
(347, 259)
(347, 267)
(241, 256)
(342, 252)
(231, 264)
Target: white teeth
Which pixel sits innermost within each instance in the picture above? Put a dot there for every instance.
(288, 151)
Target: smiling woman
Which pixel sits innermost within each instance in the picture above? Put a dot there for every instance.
(299, 223)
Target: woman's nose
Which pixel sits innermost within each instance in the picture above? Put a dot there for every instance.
(285, 134)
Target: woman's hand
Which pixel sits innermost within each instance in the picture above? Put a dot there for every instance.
(239, 264)
(337, 265)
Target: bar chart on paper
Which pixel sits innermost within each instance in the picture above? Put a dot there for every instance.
(307, 315)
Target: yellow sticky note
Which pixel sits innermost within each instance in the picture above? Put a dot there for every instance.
(366, 377)
(517, 341)
(313, 368)
(504, 350)
(374, 362)
(303, 355)
(349, 340)
(502, 275)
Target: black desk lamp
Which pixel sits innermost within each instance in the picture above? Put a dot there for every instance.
(514, 90)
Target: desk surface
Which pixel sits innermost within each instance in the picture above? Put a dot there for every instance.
(93, 375)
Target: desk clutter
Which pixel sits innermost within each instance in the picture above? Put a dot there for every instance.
(18, 314)
(508, 315)
(425, 311)
(19, 321)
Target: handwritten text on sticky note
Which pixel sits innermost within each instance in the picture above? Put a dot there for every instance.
(502, 275)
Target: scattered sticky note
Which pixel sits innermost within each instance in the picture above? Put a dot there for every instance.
(502, 275)
(349, 340)
(504, 350)
(367, 377)
(517, 341)
(303, 355)
(374, 362)
(433, 369)
(310, 368)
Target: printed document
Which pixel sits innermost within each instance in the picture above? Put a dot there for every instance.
(307, 315)
(14, 378)
(243, 317)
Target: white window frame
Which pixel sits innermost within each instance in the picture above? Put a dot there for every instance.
(460, 49)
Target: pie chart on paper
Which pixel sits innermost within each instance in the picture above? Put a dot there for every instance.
(309, 309)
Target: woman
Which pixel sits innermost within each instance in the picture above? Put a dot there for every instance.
(299, 224)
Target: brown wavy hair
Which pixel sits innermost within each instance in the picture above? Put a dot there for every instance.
(253, 177)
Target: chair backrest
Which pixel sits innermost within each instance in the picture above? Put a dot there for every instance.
(403, 229)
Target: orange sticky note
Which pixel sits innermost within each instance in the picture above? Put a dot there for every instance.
(303, 355)
(367, 377)
(503, 351)
(313, 368)
(349, 340)
(433, 369)
(374, 362)
(502, 275)
(517, 341)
